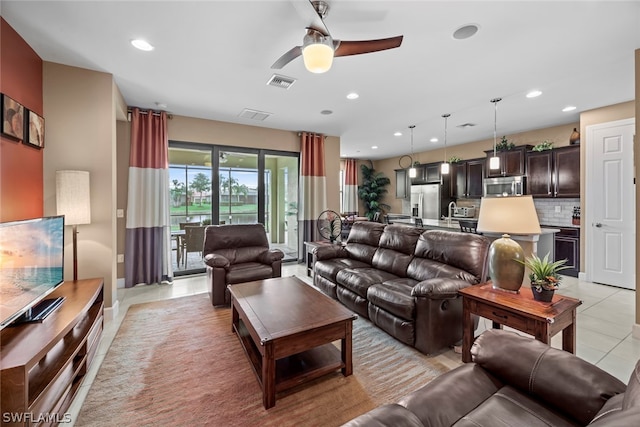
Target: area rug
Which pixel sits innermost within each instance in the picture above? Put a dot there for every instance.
(177, 363)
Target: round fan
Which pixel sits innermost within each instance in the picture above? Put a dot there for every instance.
(329, 225)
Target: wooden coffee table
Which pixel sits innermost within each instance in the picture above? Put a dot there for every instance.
(286, 328)
(519, 311)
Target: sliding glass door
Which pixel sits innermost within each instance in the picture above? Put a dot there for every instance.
(231, 185)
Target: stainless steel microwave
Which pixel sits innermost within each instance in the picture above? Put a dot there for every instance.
(504, 186)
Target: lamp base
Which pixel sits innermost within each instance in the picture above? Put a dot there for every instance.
(505, 272)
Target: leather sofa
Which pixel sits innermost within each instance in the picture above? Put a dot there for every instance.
(404, 279)
(516, 381)
(237, 253)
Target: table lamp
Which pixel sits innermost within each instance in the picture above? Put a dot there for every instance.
(74, 202)
(507, 216)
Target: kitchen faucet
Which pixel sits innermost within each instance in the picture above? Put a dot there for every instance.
(452, 205)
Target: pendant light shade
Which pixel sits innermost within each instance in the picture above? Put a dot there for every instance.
(412, 170)
(444, 167)
(494, 162)
(317, 52)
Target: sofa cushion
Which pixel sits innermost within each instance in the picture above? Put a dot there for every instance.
(465, 251)
(510, 407)
(358, 280)
(422, 269)
(391, 261)
(391, 415)
(363, 240)
(329, 268)
(401, 329)
(400, 238)
(395, 297)
(248, 271)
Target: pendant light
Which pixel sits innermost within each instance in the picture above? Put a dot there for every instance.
(444, 167)
(494, 162)
(412, 171)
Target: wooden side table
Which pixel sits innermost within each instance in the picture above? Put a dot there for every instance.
(519, 311)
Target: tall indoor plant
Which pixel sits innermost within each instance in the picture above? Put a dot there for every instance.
(372, 190)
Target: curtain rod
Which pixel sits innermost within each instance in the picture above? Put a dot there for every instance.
(155, 113)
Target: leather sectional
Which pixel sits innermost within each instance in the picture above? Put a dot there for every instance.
(516, 381)
(404, 279)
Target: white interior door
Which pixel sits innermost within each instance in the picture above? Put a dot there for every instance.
(610, 204)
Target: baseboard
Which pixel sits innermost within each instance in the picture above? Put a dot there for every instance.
(111, 313)
(120, 283)
(582, 275)
(635, 331)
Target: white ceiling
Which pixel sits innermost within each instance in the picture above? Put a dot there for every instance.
(212, 59)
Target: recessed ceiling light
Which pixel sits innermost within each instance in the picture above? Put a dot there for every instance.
(142, 45)
(353, 95)
(326, 112)
(568, 108)
(397, 134)
(374, 147)
(433, 139)
(534, 93)
(465, 32)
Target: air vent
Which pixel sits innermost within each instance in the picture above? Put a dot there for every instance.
(281, 81)
(466, 125)
(247, 113)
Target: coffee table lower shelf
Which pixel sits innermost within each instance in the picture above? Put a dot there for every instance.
(295, 369)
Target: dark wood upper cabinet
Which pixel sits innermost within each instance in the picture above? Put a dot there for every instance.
(466, 178)
(540, 173)
(512, 162)
(567, 171)
(554, 173)
(428, 173)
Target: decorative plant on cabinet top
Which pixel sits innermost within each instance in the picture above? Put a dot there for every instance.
(372, 191)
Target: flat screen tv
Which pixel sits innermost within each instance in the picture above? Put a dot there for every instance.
(31, 267)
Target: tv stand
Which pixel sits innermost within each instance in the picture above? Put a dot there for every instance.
(40, 311)
(43, 363)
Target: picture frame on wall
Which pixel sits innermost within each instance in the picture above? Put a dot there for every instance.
(12, 118)
(35, 130)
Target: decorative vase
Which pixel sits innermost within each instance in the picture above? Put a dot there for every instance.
(505, 272)
(543, 295)
(574, 139)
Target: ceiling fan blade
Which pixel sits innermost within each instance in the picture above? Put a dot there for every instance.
(346, 48)
(287, 57)
(308, 12)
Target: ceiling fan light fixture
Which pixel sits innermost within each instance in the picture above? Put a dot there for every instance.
(317, 52)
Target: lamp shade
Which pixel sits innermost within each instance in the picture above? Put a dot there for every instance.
(511, 215)
(73, 196)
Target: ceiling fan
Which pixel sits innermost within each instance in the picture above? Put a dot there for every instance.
(319, 48)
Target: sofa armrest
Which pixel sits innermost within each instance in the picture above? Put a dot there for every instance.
(330, 251)
(215, 260)
(270, 256)
(559, 378)
(439, 288)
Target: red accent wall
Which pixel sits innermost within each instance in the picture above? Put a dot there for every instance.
(21, 187)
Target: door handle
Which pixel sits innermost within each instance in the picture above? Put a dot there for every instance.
(598, 224)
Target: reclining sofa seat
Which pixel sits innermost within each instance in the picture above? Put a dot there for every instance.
(516, 381)
(405, 280)
(237, 253)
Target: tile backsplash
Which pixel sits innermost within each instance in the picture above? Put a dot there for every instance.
(547, 215)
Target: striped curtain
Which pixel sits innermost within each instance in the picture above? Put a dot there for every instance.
(148, 234)
(314, 185)
(350, 189)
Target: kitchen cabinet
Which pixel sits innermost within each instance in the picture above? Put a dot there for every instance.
(554, 173)
(427, 174)
(512, 162)
(466, 179)
(567, 246)
(403, 185)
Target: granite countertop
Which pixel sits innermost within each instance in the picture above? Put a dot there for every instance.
(454, 225)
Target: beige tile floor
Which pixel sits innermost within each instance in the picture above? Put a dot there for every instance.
(604, 323)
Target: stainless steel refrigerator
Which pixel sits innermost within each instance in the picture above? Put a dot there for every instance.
(426, 201)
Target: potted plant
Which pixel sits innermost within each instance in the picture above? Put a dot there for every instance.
(544, 275)
(505, 145)
(373, 190)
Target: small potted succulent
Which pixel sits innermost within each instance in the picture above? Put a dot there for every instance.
(544, 276)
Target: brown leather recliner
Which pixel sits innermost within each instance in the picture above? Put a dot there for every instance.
(237, 253)
(516, 381)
